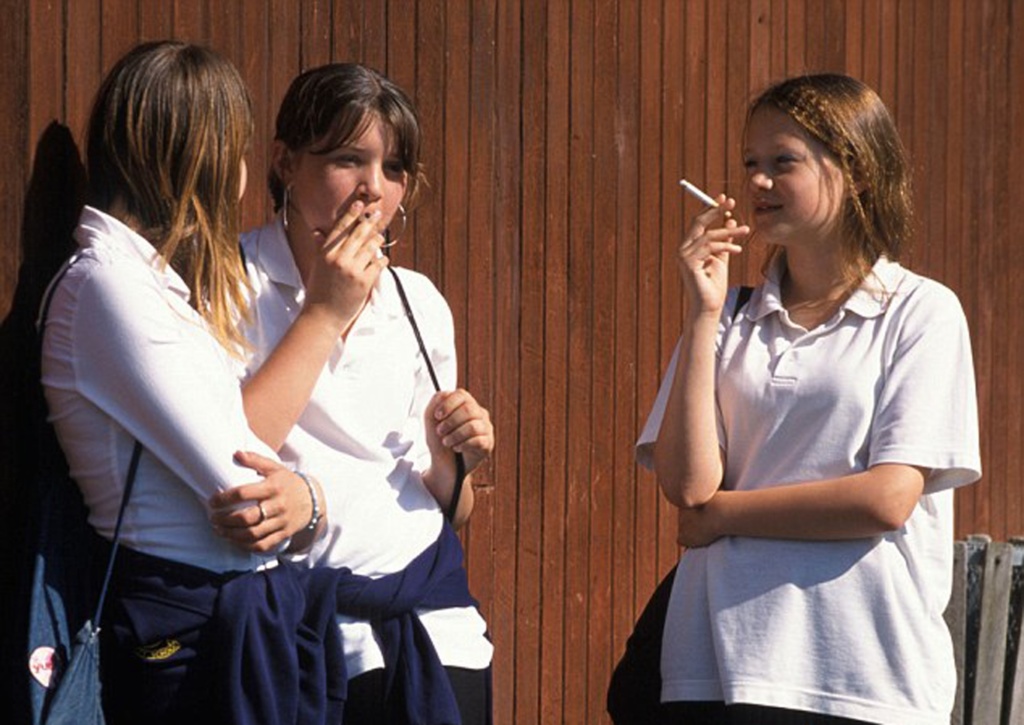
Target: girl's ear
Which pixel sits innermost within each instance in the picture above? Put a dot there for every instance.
(282, 160)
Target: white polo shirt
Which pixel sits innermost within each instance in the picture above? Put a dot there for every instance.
(363, 434)
(125, 357)
(848, 628)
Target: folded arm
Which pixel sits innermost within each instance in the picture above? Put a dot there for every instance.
(262, 516)
(860, 505)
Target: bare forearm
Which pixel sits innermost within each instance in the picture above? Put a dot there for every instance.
(856, 506)
(279, 391)
(442, 486)
(687, 459)
(467, 500)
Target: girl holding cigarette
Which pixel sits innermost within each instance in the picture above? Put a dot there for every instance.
(339, 382)
(812, 439)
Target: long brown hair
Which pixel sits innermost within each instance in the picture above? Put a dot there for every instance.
(853, 124)
(167, 137)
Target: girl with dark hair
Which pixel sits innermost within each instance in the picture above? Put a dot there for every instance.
(341, 383)
(813, 439)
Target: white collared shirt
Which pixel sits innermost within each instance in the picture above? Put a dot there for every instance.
(363, 435)
(849, 628)
(126, 358)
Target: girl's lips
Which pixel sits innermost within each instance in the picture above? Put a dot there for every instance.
(764, 208)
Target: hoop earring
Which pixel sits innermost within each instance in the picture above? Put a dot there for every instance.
(390, 242)
(284, 207)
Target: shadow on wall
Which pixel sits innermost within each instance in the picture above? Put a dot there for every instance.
(52, 205)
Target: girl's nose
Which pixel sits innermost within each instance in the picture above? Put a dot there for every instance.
(372, 182)
(760, 180)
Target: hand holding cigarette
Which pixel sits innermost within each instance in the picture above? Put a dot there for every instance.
(703, 255)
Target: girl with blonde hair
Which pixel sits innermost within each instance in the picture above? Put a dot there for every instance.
(812, 438)
(140, 364)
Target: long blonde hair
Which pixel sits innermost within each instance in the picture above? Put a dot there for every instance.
(849, 119)
(167, 137)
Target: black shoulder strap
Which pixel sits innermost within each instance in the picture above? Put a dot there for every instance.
(742, 297)
(460, 463)
(129, 483)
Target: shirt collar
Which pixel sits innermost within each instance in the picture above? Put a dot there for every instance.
(870, 299)
(101, 231)
(276, 256)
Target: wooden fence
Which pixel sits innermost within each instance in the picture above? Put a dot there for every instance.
(555, 133)
(984, 617)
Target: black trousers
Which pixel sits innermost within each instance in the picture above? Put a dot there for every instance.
(717, 713)
(365, 703)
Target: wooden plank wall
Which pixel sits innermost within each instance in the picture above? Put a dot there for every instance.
(555, 133)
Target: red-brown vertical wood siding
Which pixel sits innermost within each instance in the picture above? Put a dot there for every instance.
(555, 133)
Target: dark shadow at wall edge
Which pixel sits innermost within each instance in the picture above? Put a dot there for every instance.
(52, 204)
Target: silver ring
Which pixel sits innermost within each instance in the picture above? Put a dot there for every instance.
(263, 514)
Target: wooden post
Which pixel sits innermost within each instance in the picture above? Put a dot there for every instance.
(1013, 693)
(956, 620)
(995, 611)
(976, 546)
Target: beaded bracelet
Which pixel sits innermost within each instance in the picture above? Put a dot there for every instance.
(315, 518)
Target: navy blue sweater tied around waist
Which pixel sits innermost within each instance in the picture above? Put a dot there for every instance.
(274, 653)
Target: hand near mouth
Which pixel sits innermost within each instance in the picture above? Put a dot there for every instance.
(346, 265)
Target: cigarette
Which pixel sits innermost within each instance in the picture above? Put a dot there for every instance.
(697, 192)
